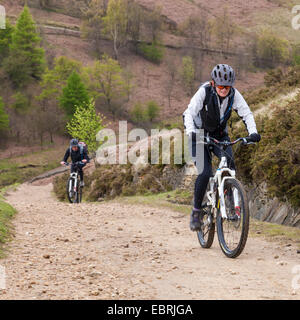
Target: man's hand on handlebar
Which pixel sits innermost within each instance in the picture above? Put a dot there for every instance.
(252, 139)
(255, 137)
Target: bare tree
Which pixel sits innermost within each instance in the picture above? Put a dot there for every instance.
(154, 23)
(115, 24)
(224, 30)
(46, 118)
(170, 84)
(135, 16)
(92, 25)
(128, 76)
(197, 30)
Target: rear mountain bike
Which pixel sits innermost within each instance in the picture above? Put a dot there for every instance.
(226, 206)
(74, 191)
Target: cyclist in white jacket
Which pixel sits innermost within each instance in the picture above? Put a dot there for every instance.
(209, 109)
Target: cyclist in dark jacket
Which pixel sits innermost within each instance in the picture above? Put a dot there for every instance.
(76, 155)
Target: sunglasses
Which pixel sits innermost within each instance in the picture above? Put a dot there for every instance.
(222, 87)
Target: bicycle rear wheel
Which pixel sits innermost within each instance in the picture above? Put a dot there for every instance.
(233, 231)
(79, 192)
(207, 233)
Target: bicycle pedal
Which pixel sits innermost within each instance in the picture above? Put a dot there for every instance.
(238, 211)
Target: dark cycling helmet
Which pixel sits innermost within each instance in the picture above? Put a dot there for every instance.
(223, 75)
(74, 143)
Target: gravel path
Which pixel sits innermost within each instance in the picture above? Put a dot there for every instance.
(121, 251)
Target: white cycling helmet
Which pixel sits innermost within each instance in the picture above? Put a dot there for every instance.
(223, 75)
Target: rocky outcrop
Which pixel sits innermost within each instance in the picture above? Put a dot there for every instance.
(263, 208)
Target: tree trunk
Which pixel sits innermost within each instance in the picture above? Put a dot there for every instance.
(115, 36)
(51, 136)
(41, 139)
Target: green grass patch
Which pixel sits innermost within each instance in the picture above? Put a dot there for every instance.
(23, 168)
(272, 231)
(153, 52)
(6, 214)
(159, 200)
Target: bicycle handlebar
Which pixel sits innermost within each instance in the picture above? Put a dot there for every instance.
(210, 140)
(77, 162)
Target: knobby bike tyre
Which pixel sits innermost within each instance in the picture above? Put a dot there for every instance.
(234, 249)
(70, 180)
(79, 192)
(207, 233)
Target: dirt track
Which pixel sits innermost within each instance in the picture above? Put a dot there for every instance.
(118, 251)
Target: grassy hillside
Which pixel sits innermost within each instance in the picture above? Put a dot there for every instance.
(23, 168)
(275, 160)
(6, 214)
(150, 80)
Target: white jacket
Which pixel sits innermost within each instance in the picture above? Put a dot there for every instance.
(192, 114)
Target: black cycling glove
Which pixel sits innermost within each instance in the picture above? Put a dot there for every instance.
(254, 137)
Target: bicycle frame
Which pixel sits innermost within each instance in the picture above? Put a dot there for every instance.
(73, 175)
(226, 205)
(219, 182)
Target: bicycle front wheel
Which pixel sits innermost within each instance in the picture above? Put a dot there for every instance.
(233, 230)
(70, 190)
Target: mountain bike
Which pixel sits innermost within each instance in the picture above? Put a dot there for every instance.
(225, 205)
(74, 191)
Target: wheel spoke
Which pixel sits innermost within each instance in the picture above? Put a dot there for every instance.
(233, 230)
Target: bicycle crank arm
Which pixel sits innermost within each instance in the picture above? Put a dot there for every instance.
(233, 218)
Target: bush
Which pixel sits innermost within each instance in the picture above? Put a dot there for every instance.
(4, 120)
(59, 186)
(21, 104)
(143, 113)
(296, 60)
(152, 110)
(6, 214)
(269, 50)
(277, 82)
(276, 159)
(108, 182)
(153, 52)
(138, 113)
(273, 77)
(188, 74)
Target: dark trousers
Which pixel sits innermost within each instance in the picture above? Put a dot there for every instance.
(79, 169)
(203, 178)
